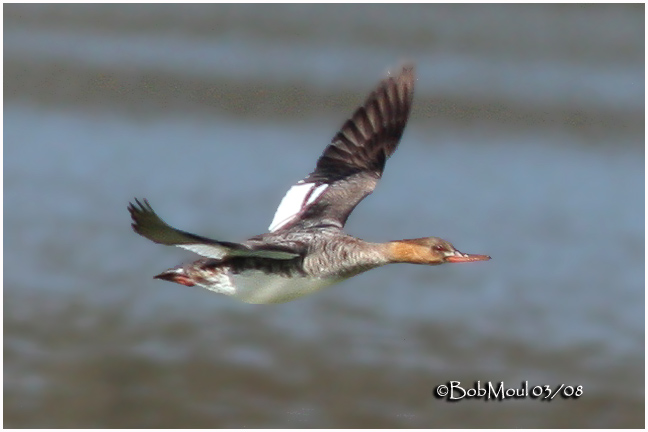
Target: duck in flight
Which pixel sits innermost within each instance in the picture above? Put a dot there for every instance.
(306, 248)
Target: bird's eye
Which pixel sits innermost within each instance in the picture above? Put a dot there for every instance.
(439, 248)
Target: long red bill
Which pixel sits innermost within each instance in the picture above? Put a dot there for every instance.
(458, 258)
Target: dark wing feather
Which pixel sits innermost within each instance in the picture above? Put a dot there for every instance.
(371, 135)
(148, 224)
(354, 161)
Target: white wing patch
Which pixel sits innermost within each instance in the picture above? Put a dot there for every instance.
(296, 199)
(219, 252)
(206, 250)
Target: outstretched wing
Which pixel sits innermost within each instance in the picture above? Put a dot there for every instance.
(148, 224)
(350, 167)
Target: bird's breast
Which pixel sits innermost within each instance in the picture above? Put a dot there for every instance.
(256, 286)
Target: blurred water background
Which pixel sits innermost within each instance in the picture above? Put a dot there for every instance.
(526, 142)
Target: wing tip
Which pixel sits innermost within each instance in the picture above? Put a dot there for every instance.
(139, 212)
(407, 69)
(405, 74)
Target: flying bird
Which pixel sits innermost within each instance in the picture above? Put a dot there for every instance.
(306, 248)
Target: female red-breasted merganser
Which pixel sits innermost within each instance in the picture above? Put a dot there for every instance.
(306, 248)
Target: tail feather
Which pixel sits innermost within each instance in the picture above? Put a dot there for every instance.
(176, 275)
(207, 274)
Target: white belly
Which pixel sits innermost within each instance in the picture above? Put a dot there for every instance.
(259, 287)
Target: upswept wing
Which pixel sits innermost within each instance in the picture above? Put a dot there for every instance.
(350, 167)
(148, 224)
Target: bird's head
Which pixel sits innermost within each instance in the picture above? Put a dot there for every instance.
(430, 251)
